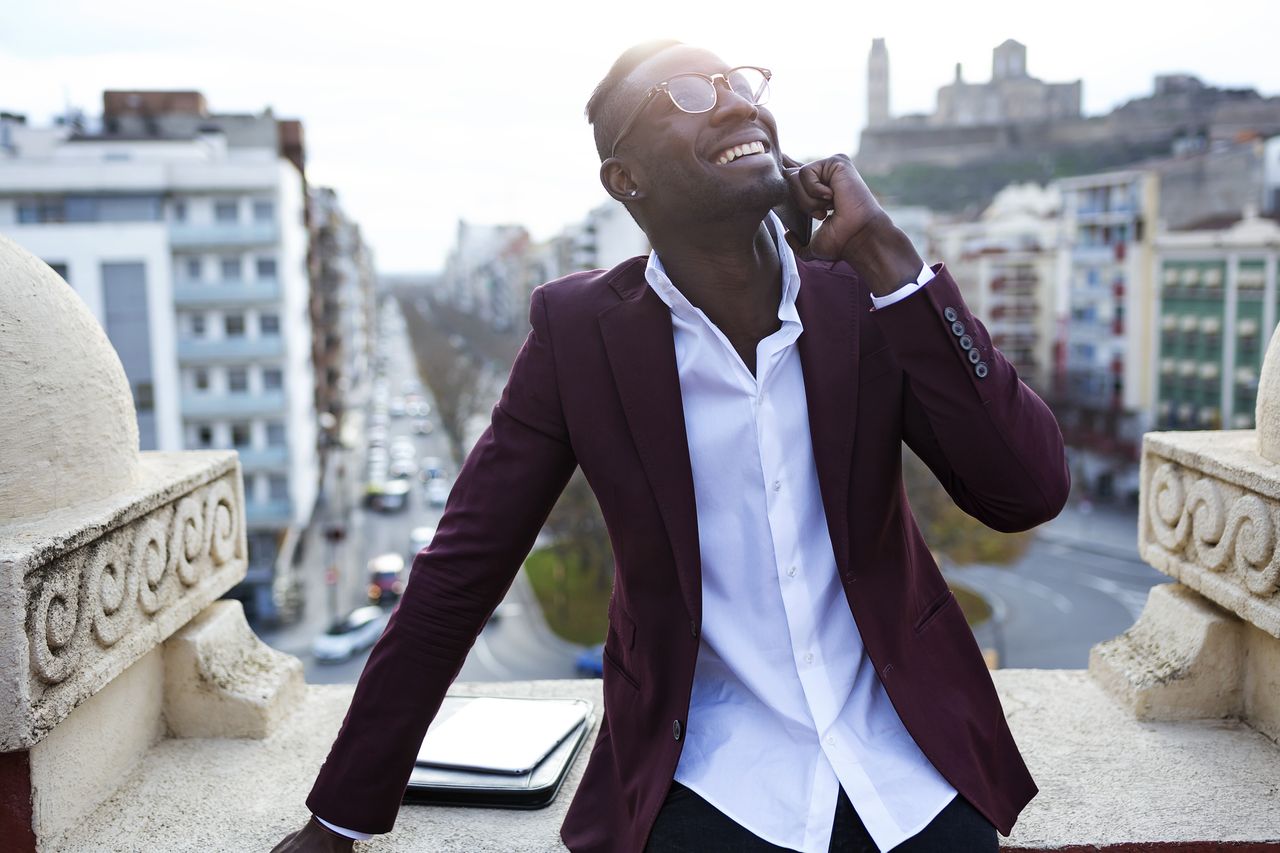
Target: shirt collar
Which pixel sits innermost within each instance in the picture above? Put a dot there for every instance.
(656, 275)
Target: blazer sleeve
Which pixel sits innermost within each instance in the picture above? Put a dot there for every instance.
(499, 502)
(992, 443)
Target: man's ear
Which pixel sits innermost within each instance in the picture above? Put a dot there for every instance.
(618, 181)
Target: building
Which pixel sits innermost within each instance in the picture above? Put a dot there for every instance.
(484, 273)
(1006, 264)
(343, 311)
(185, 233)
(1217, 304)
(1014, 118)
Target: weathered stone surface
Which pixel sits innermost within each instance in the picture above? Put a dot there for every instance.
(66, 413)
(86, 591)
(220, 680)
(1267, 407)
(1183, 659)
(1210, 517)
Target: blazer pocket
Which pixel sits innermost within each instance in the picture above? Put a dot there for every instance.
(618, 642)
(930, 613)
(615, 663)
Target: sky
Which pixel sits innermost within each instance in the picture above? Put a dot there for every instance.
(421, 114)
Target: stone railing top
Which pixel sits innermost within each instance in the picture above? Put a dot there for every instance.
(87, 590)
(66, 413)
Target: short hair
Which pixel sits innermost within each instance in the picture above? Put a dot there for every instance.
(602, 110)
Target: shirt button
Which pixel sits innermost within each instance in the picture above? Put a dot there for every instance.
(675, 729)
(831, 741)
(777, 484)
(808, 658)
(791, 572)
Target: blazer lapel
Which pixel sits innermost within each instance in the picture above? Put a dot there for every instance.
(641, 350)
(827, 305)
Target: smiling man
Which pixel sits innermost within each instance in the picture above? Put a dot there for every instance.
(785, 668)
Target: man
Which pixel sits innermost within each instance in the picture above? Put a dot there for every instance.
(785, 667)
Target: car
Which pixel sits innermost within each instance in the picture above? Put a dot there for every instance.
(403, 448)
(388, 496)
(397, 407)
(353, 633)
(432, 468)
(590, 661)
(419, 538)
(386, 578)
(423, 426)
(437, 492)
(418, 408)
(403, 468)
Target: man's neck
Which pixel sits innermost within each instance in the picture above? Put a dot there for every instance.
(735, 279)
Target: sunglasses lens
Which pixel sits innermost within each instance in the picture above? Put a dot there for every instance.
(692, 94)
(750, 83)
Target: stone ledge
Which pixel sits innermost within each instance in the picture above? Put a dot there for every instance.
(1107, 782)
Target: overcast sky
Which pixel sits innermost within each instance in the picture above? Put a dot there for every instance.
(421, 113)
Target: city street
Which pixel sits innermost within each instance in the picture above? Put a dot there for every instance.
(516, 645)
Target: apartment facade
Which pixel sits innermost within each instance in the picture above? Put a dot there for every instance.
(185, 233)
(1217, 308)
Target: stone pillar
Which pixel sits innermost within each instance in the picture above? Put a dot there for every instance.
(105, 553)
(1208, 645)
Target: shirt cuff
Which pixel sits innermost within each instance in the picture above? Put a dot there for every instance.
(926, 275)
(349, 833)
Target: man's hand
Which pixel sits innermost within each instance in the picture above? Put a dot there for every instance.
(855, 228)
(314, 838)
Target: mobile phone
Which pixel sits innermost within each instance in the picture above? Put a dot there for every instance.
(795, 220)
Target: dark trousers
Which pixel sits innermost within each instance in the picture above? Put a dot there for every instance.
(689, 824)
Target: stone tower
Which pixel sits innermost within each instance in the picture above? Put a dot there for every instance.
(1009, 60)
(877, 84)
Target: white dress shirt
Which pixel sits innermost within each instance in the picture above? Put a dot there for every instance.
(786, 707)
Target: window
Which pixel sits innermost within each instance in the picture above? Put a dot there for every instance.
(179, 211)
(230, 269)
(266, 268)
(233, 325)
(60, 269)
(275, 434)
(144, 396)
(194, 269)
(269, 324)
(240, 435)
(264, 211)
(198, 327)
(272, 379)
(204, 437)
(226, 211)
(200, 379)
(237, 380)
(277, 487)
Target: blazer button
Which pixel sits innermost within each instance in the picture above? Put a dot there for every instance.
(675, 729)
(950, 314)
(957, 328)
(974, 356)
(693, 629)
(981, 369)
(966, 342)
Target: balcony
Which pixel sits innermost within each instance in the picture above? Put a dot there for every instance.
(230, 349)
(267, 513)
(191, 295)
(196, 405)
(266, 458)
(184, 235)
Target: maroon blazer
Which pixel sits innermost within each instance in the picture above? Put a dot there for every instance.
(595, 385)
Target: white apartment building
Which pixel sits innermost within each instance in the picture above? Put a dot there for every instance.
(1006, 263)
(189, 243)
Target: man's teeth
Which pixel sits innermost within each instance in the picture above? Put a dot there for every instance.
(731, 154)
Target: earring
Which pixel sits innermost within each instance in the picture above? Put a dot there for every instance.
(632, 193)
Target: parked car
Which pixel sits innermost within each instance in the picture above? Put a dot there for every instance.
(353, 633)
(419, 538)
(388, 496)
(423, 426)
(404, 468)
(386, 578)
(432, 468)
(590, 661)
(437, 492)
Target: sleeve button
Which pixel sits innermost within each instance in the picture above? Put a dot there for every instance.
(950, 314)
(974, 356)
(957, 328)
(981, 369)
